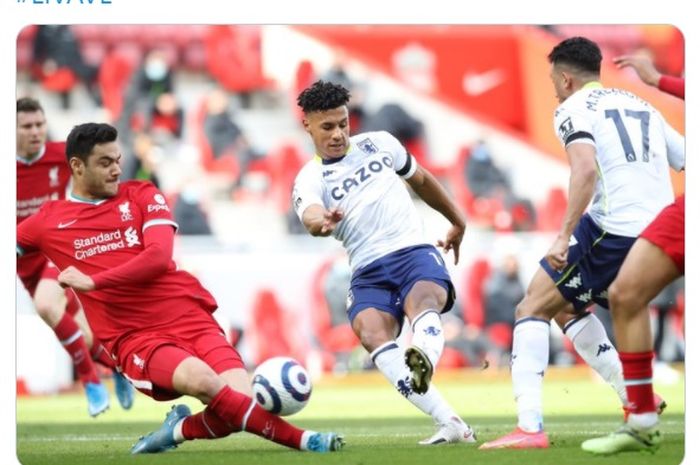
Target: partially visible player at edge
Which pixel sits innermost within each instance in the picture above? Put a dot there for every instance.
(655, 260)
(42, 175)
(619, 148)
(353, 189)
(113, 242)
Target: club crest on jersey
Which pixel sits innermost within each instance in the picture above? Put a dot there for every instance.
(367, 146)
(53, 176)
(566, 128)
(125, 211)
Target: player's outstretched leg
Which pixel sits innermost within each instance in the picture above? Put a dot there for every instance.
(124, 390)
(625, 439)
(388, 358)
(180, 425)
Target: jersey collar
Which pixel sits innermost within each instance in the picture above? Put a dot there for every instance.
(41, 153)
(71, 197)
(593, 85)
(319, 159)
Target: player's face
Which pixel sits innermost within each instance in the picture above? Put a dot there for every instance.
(100, 176)
(562, 83)
(330, 131)
(31, 132)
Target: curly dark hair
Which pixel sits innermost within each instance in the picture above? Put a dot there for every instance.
(83, 138)
(323, 96)
(578, 53)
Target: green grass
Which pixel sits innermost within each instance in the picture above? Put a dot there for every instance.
(379, 426)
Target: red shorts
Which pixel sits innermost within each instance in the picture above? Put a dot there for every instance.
(34, 267)
(198, 335)
(667, 232)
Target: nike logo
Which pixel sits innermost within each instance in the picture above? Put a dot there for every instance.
(65, 225)
(476, 84)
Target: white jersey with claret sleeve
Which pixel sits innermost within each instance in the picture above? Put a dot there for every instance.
(634, 148)
(366, 185)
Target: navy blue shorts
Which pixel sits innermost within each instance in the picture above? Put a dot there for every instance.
(384, 283)
(593, 263)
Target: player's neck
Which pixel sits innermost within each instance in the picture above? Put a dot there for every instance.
(83, 195)
(30, 157)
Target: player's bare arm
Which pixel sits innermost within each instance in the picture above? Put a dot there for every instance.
(642, 65)
(431, 191)
(581, 188)
(76, 279)
(319, 221)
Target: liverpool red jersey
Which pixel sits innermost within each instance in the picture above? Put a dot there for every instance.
(95, 236)
(43, 178)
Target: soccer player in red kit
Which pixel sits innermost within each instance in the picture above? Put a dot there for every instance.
(42, 175)
(113, 242)
(655, 260)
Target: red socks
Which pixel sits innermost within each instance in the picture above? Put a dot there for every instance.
(206, 425)
(231, 411)
(638, 374)
(71, 338)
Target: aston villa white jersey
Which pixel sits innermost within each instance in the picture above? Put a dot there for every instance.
(366, 185)
(634, 148)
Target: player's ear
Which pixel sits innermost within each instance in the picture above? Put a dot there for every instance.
(76, 165)
(307, 124)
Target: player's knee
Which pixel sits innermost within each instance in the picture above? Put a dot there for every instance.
(375, 337)
(50, 312)
(623, 298)
(523, 309)
(204, 384)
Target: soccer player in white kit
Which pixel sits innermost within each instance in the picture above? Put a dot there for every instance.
(619, 148)
(354, 190)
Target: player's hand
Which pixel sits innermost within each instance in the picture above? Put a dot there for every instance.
(642, 65)
(76, 279)
(558, 253)
(331, 218)
(452, 241)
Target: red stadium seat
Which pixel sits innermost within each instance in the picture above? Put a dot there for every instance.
(551, 213)
(473, 308)
(226, 164)
(269, 329)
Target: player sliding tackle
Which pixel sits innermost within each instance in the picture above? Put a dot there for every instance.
(620, 149)
(353, 189)
(114, 242)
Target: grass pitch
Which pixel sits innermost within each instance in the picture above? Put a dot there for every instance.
(379, 426)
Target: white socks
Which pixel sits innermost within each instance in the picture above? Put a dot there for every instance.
(428, 335)
(528, 364)
(390, 361)
(593, 345)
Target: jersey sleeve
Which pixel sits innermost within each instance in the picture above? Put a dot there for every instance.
(672, 85)
(405, 164)
(573, 125)
(675, 147)
(29, 233)
(154, 207)
(308, 190)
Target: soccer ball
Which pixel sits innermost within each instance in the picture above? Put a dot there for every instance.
(281, 386)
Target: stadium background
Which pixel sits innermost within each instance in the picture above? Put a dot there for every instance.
(277, 288)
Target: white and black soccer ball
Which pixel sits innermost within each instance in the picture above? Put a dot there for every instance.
(281, 386)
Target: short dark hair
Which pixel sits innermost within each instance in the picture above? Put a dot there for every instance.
(579, 53)
(28, 105)
(323, 96)
(83, 138)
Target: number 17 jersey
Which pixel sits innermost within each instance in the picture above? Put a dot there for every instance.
(634, 148)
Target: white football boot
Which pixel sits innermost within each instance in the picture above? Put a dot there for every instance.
(455, 430)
